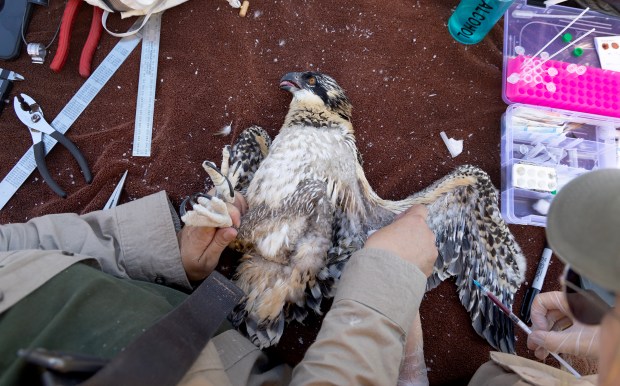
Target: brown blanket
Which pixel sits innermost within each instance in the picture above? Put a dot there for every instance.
(407, 78)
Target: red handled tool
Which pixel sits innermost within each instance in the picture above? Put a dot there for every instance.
(68, 18)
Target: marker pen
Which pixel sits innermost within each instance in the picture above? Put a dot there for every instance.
(539, 279)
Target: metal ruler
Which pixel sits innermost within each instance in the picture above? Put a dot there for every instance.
(26, 165)
(145, 105)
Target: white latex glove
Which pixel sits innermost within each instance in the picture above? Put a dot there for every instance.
(553, 330)
(413, 369)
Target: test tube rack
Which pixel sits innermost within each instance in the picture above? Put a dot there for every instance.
(563, 85)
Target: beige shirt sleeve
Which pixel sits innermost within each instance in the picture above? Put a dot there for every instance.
(363, 335)
(135, 240)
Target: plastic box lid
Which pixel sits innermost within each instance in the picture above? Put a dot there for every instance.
(542, 68)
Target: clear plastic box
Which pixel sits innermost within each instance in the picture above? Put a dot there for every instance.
(585, 143)
(578, 103)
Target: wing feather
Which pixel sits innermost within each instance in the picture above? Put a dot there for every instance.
(246, 155)
(474, 242)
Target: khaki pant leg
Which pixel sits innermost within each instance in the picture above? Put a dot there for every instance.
(491, 374)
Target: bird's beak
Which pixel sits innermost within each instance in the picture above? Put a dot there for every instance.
(291, 82)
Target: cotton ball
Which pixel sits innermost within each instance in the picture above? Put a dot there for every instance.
(542, 206)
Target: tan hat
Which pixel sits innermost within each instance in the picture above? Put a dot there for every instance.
(583, 226)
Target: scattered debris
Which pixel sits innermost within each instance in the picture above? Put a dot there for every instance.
(224, 131)
(244, 8)
(455, 147)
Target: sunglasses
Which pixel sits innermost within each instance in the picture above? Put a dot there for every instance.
(587, 302)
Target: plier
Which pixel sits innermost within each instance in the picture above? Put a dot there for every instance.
(29, 112)
(6, 84)
(64, 39)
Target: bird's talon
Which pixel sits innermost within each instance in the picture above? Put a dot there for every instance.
(194, 197)
(183, 207)
(209, 164)
(206, 211)
(237, 168)
(226, 192)
(192, 200)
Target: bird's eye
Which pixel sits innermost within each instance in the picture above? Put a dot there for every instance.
(311, 81)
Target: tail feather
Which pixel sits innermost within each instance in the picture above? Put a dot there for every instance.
(265, 334)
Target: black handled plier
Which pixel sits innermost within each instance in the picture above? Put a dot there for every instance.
(31, 115)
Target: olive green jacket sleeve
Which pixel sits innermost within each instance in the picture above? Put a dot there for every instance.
(135, 240)
(363, 335)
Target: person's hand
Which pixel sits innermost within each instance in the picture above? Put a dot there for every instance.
(553, 330)
(201, 247)
(409, 238)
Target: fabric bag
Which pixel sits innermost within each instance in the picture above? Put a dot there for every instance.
(129, 8)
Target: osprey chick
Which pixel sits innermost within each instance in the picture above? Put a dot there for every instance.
(311, 207)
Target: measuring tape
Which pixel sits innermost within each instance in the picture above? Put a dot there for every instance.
(26, 165)
(143, 131)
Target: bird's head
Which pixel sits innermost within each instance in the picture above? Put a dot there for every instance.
(316, 89)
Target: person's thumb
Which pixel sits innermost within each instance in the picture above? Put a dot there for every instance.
(222, 238)
(536, 342)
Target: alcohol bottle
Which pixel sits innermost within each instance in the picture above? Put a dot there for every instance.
(473, 19)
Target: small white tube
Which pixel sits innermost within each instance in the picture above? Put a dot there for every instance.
(553, 2)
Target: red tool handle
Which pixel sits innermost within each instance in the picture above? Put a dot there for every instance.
(68, 18)
(92, 42)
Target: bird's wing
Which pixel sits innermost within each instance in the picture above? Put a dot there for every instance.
(474, 242)
(246, 155)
